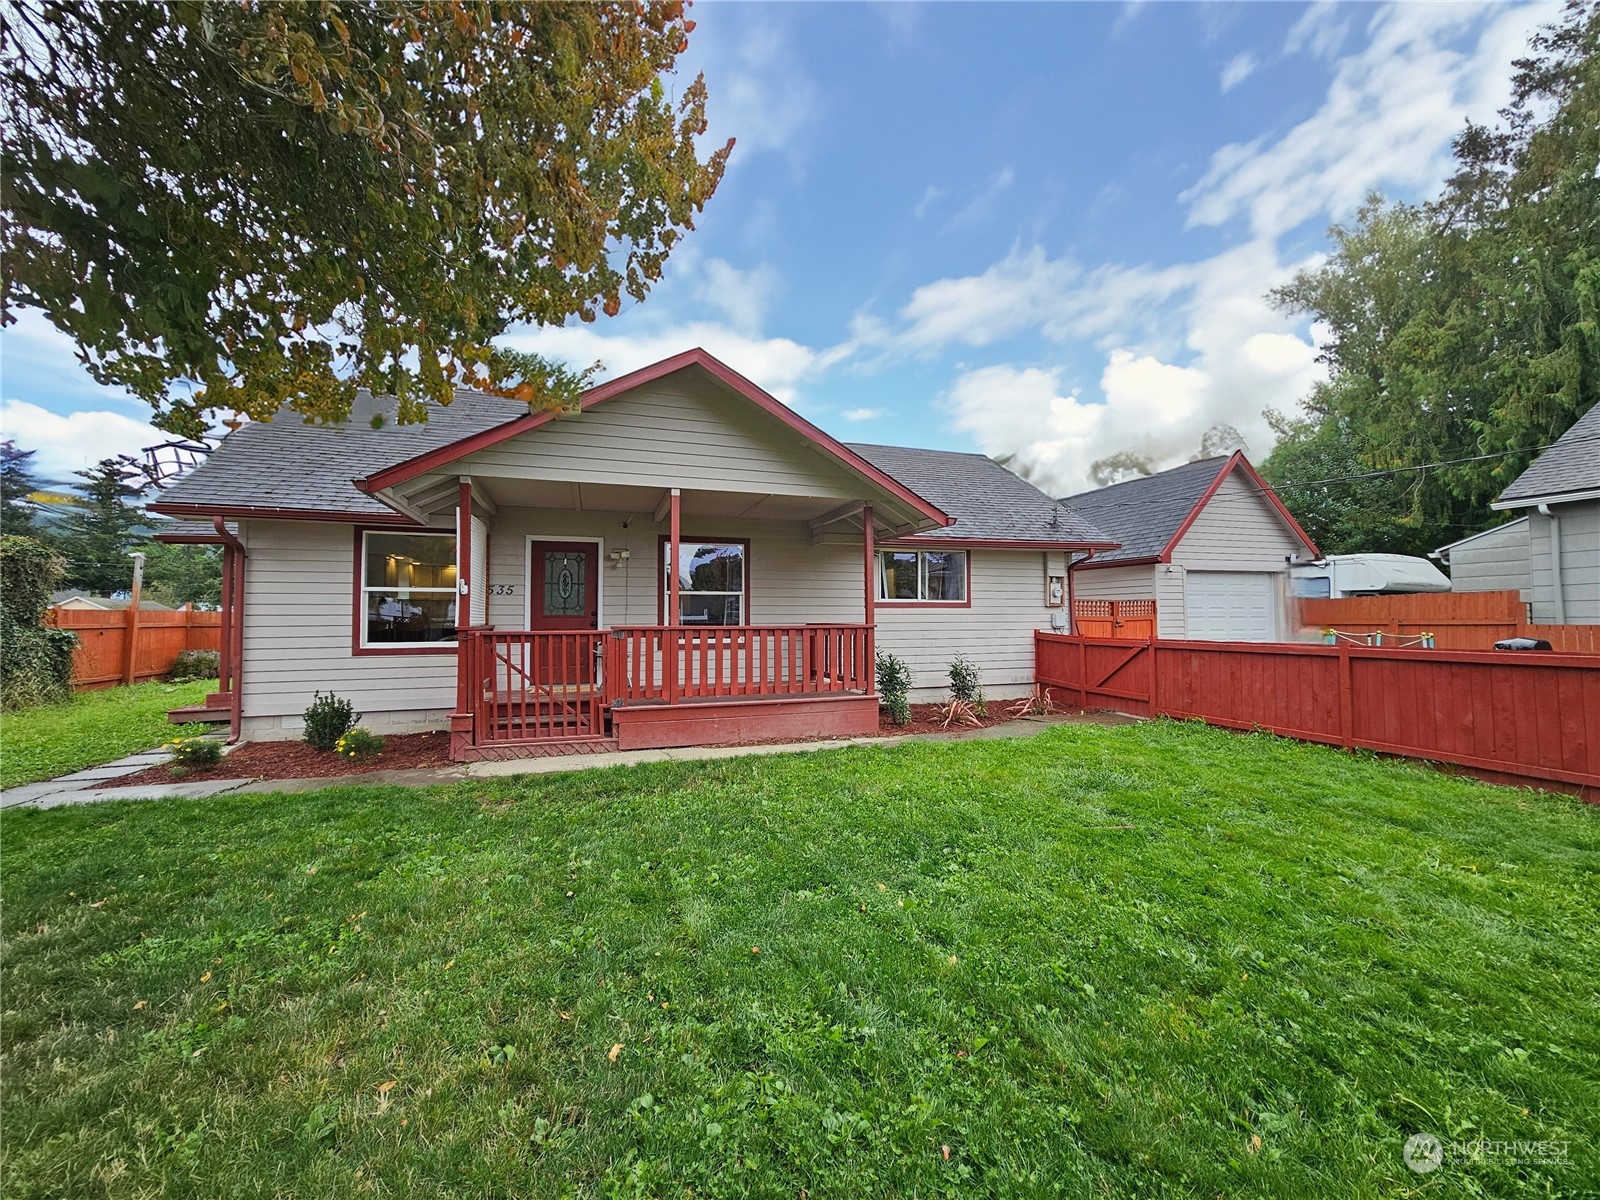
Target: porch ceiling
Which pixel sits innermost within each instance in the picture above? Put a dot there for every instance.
(625, 498)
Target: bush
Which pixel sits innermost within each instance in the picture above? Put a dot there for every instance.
(894, 682)
(195, 664)
(193, 753)
(35, 659)
(359, 743)
(328, 719)
(964, 685)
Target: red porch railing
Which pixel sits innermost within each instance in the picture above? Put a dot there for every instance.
(522, 685)
(655, 664)
(527, 686)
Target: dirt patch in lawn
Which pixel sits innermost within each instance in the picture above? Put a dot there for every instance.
(296, 760)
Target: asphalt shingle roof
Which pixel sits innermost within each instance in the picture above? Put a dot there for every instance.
(987, 501)
(289, 464)
(1144, 513)
(1571, 464)
(286, 463)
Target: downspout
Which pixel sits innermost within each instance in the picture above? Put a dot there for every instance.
(1555, 562)
(1072, 611)
(235, 629)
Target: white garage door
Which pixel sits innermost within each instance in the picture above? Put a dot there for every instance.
(1230, 606)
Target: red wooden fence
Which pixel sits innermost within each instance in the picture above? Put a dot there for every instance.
(1522, 718)
(1457, 620)
(101, 657)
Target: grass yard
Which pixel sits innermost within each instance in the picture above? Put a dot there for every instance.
(92, 728)
(1153, 960)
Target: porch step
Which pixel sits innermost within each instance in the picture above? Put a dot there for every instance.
(543, 748)
(199, 712)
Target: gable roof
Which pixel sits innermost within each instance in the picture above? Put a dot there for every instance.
(852, 462)
(1568, 470)
(988, 502)
(1150, 514)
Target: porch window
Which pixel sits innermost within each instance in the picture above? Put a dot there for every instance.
(922, 576)
(408, 589)
(713, 585)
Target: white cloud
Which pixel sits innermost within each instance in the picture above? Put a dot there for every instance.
(743, 296)
(758, 92)
(1239, 68)
(930, 197)
(979, 207)
(1190, 345)
(1386, 121)
(779, 365)
(1320, 31)
(75, 441)
(863, 414)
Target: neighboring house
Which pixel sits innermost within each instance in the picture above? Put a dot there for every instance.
(684, 561)
(1495, 560)
(1209, 542)
(78, 600)
(1560, 493)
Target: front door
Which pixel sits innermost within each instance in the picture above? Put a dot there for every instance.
(564, 585)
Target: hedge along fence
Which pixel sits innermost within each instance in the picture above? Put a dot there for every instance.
(1528, 718)
(101, 657)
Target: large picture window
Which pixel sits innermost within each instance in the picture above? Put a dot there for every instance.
(713, 584)
(922, 576)
(408, 589)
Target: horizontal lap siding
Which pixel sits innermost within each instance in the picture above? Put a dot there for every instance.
(1580, 563)
(791, 581)
(1497, 561)
(299, 610)
(1238, 530)
(683, 433)
(1113, 583)
(996, 633)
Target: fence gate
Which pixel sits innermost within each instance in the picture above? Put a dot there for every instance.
(1115, 618)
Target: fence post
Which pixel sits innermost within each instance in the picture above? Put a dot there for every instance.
(1347, 729)
(1155, 679)
(1083, 673)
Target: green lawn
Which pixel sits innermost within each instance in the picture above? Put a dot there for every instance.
(94, 727)
(1153, 960)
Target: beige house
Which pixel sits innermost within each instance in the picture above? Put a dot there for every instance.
(1208, 542)
(683, 561)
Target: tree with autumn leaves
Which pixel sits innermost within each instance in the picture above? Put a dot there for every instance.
(246, 204)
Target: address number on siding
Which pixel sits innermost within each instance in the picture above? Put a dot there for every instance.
(502, 589)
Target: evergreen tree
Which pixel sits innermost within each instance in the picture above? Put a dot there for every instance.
(17, 483)
(101, 529)
(183, 574)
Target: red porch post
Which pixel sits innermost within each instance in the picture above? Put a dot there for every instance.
(869, 668)
(463, 734)
(670, 653)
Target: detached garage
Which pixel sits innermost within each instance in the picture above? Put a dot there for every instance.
(1208, 542)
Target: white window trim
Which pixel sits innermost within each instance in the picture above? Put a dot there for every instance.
(881, 583)
(361, 598)
(743, 593)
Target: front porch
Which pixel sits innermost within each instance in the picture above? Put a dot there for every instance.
(530, 693)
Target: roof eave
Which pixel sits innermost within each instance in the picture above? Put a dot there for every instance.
(1504, 505)
(267, 512)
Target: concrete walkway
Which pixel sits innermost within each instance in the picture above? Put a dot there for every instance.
(85, 787)
(100, 783)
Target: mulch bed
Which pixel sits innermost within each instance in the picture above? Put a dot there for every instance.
(929, 718)
(296, 760)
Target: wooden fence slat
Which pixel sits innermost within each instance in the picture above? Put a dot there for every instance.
(1529, 718)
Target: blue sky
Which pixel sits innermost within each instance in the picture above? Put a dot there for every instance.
(1044, 230)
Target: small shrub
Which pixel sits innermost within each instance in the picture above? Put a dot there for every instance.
(964, 685)
(894, 683)
(328, 718)
(359, 743)
(195, 664)
(1039, 704)
(958, 711)
(193, 753)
